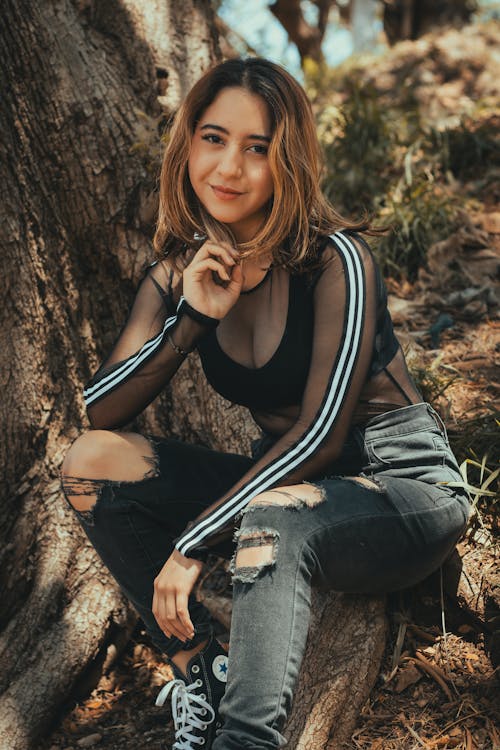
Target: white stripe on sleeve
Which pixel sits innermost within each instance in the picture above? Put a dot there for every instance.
(110, 381)
(325, 418)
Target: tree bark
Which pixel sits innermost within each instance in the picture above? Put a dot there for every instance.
(79, 117)
(79, 147)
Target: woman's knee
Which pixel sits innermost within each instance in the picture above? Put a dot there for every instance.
(305, 495)
(104, 454)
(87, 455)
(99, 455)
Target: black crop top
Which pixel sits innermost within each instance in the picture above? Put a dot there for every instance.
(322, 342)
(282, 379)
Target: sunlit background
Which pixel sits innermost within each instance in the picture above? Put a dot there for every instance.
(253, 24)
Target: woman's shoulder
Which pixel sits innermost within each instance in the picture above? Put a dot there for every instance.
(337, 250)
(346, 242)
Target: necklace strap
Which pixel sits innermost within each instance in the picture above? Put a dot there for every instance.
(262, 281)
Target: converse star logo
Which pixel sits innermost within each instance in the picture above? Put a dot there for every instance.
(219, 667)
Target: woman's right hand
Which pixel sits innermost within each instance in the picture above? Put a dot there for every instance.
(201, 289)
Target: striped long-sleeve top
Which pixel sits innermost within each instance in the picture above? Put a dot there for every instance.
(306, 354)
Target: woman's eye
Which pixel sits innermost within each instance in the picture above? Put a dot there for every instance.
(210, 136)
(260, 149)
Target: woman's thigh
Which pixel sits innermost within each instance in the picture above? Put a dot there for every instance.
(182, 481)
(188, 479)
(384, 537)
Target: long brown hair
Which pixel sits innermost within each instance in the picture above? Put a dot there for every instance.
(299, 214)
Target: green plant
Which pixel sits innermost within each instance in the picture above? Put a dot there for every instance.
(482, 484)
(420, 213)
(431, 383)
(384, 161)
(358, 141)
(477, 436)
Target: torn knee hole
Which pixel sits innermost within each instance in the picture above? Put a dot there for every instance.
(255, 556)
(81, 494)
(153, 460)
(255, 552)
(371, 484)
(304, 495)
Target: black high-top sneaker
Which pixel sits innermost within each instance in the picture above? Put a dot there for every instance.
(196, 697)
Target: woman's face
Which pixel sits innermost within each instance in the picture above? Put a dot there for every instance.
(228, 164)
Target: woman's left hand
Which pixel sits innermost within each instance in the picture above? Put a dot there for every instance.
(172, 587)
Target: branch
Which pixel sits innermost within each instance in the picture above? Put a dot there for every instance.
(307, 38)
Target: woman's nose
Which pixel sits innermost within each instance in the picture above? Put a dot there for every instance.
(230, 164)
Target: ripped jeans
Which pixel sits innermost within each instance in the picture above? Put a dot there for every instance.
(371, 538)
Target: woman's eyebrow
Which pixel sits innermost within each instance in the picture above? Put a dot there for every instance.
(223, 130)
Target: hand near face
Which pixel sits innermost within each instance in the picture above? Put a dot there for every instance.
(213, 280)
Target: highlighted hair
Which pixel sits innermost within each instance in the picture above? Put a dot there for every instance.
(299, 214)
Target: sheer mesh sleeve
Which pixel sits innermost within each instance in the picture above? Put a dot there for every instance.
(344, 330)
(144, 358)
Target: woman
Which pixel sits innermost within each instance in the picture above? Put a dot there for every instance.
(285, 304)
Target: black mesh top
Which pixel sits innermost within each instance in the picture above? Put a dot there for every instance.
(308, 354)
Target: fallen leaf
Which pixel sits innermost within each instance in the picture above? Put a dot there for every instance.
(93, 704)
(407, 676)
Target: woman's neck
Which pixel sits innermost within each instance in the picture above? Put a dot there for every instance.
(254, 272)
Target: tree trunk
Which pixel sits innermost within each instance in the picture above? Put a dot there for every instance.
(411, 19)
(363, 24)
(79, 117)
(306, 37)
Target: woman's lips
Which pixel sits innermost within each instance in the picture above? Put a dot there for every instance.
(225, 195)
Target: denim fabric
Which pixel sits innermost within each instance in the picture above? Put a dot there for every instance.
(133, 525)
(357, 540)
(354, 539)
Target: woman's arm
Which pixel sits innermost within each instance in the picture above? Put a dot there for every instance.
(159, 333)
(143, 360)
(344, 329)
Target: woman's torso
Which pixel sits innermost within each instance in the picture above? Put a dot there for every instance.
(260, 354)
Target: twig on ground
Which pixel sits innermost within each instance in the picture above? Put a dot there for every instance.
(445, 635)
(460, 721)
(434, 672)
(415, 735)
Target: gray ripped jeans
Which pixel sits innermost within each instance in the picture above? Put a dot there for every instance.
(356, 538)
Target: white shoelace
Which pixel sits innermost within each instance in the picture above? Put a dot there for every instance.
(187, 710)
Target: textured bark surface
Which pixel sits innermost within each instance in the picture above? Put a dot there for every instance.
(79, 152)
(343, 654)
(78, 117)
(472, 578)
